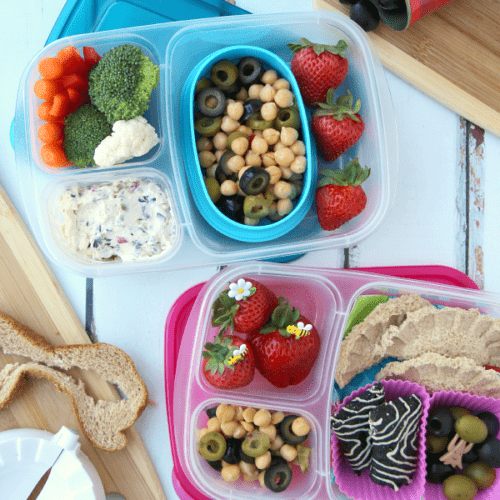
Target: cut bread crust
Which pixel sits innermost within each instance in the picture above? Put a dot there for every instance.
(436, 372)
(102, 422)
(357, 349)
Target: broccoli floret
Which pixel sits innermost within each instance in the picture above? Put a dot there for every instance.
(84, 130)
(121, 83)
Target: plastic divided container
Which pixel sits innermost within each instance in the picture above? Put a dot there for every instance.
(326, 297)
(177, 47)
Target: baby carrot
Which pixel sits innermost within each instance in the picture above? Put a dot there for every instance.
(60, 105)
(53, 155)
(51, 68)
(74, 81)
(71, 59)
(46, 89)
(50, 133)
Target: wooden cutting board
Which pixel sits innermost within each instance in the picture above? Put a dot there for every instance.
(30, 293)
(452, 55)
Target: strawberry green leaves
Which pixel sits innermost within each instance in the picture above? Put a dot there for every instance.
(281, 317)
(319, 48)
(218, 353)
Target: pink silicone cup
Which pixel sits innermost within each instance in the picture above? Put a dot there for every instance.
(362, 487)
(475, 404)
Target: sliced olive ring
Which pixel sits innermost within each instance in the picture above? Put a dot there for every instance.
(234, 135)
(211, 102)
(254, 180)
(202, 84)
(224, 73)
(277, 478)
(249, 70)
(213, 189)
(256, 206)
(212, 446)
(256, 122)
(288, 117)
(208, 126)
(286, 431)
(251, 106)
(256, 443)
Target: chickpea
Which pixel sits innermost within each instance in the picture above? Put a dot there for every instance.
(268, 159)
(289, 135)
(228, 188)
(281, 83)
(235, 163)
(203, 432)
(279, 145)
(225, 412)
(229, 124)
(282, 189)
(251, 477)
(257, 133)
(213, 425)
(286, 173)
(261, 479)
(300, 426)
(235, 110)
(274, 172)
(269, 111)
(206, 159)
(252, 159)
(277, 443)
(242, 95)
(239, 432)
(219, 153)
(248, 221)
(264, 461)
(246, 130)
(211, 170)
(269, 76)
(262, 418)
(203, 144)
(248, 426)
(271, 135)
(298, 148)
(230, 473)
(277, 417)
(240, 145)
(220, 140)
(284, 157)
(283, 98)
(298, 165)
(270, 429)
(259, 145)
(254, 90)
(267, 93)
(247, 468)
(288, 452)
(240, 173)
(239, 413)
(284, 206)
(228, 428)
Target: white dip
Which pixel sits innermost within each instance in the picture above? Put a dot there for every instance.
(126, 220)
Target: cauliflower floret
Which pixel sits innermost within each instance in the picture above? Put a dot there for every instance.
(128, 139)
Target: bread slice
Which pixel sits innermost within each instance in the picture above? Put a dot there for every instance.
(102, 422)
(436, 372)
(357, 349)
(451, 332)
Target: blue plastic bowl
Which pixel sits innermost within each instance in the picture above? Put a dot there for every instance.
(267, 230)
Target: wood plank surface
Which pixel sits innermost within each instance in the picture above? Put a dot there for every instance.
(30, 293)
(452, 55)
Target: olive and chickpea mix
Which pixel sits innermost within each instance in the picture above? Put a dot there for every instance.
(256, 444)
(250, 145)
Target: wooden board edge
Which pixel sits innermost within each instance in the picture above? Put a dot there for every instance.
(428, 81)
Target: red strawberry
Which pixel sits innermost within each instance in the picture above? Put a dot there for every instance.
(339, 196)
(284, 349)
(337, 125)
(318, 67)
(245, 307)
(223, 367)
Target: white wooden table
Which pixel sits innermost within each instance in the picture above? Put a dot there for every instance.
(445, 212)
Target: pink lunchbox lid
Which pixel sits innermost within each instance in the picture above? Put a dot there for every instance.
(179, 314)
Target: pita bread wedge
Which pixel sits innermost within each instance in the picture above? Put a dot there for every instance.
(436, 372)
(357, 349)
(451, 332)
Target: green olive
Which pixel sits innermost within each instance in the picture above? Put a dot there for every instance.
(212, 446)
(224, 73)
(202, 84)
(213, 188)
(287, 117)
(471, 429)
(256, 207)
(208, 126)
(483, 475)
(256, 122)
(459, 487)
(458, 411)
(234, 135)
(255, 444)
(436, 444)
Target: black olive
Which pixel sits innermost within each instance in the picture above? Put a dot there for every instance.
(215, 464)
(286, 432)
(254, 180)
(437, 472)
(489, 452)
(472, 455)
(232, 455)
(440, 422)
(231, 91)
(211, 412)
(491, 422)
(211, 102)
(232, 207)
(277, 477)
(249, 70)
(247, 459)
(365, 14)
(250, 106)
(222, 172)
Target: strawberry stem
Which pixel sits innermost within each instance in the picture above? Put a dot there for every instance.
(282, 316)
(352, 175)
(319, 48)
(344, 106)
